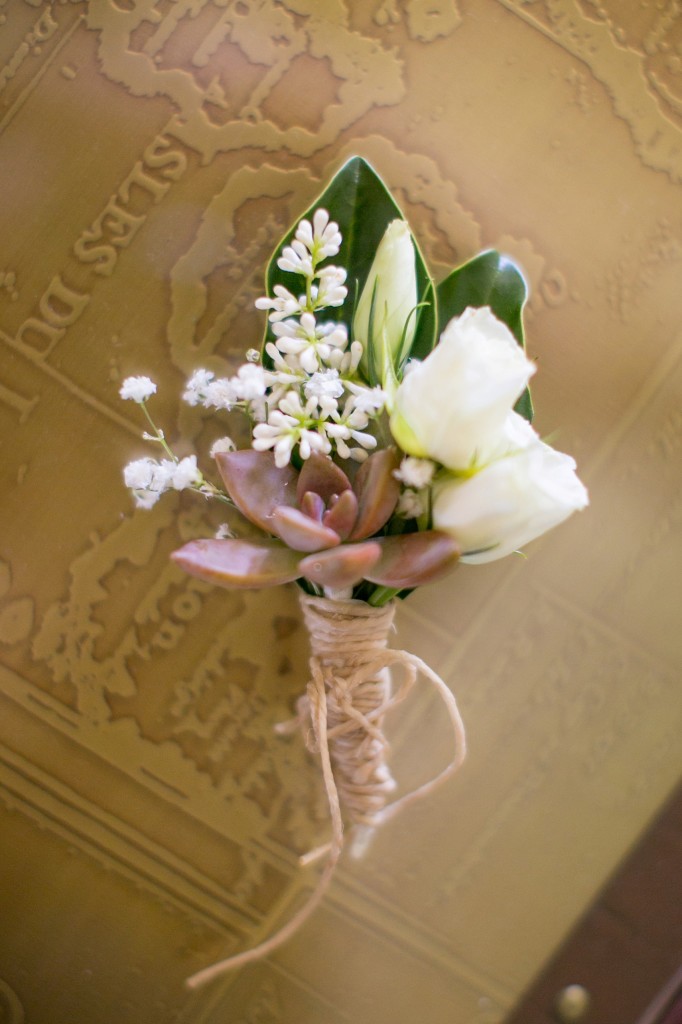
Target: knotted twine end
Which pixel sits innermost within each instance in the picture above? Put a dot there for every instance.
(341, 715)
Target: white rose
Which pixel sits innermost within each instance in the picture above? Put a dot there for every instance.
(453, 406)
(509, 502)
(392, 282)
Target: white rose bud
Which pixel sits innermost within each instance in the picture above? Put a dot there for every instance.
(509, 502)
(394, 275)
(452, 407)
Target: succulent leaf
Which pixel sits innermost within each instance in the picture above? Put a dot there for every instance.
(411, 559)
(341, 514)
(313, 505)
(239, 563)
(377, 492)
(321, 476)
(302, 533)
(256, 485)
(341, 567)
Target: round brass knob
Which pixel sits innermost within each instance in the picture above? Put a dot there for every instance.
(572, 1003)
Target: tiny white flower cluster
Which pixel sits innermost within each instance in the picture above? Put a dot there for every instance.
(148, 479)
(415, 475)
(308, 400)
(137, 389)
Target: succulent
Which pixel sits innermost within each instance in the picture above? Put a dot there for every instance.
(319, 526)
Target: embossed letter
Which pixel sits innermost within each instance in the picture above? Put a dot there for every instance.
(157, 154)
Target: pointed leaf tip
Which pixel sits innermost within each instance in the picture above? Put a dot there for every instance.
(239, 564)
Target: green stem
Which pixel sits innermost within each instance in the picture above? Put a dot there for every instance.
(382, 595)
(159, 436)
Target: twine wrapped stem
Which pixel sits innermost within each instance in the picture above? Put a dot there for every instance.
(341, 715)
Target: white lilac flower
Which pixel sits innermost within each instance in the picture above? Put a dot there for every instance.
(185, 473)
(196, 386)
(350, 425)
(137, 389)
(330, 290)
(289, 425)
(311, 441)
(283, 304)
(309, 343)
(410, 505)
(296, 259)
(415, 472)
(287, 370)
(252, 355)
(322, 238)
(346, 362)
(223, 444)
(326, 387)
(281, 433)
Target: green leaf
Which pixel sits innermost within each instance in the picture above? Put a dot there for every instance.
(489, 279)
(359, 202)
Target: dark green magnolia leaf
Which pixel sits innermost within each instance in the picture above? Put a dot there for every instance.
(489, 279)
(359, 202)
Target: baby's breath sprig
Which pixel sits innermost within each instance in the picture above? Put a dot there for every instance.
(150, 478)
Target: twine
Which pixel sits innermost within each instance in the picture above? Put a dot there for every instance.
(341, 715)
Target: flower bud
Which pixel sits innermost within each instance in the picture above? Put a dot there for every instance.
(388, 299)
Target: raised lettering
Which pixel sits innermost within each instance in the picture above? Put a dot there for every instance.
(122, 225)
(61, 306)
(87, 251)
(157, 154)
(137, 177)
(48, 335)
(10, 69)
(45, 26)
(17, 402)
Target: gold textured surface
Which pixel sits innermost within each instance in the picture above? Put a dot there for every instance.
(152, 154)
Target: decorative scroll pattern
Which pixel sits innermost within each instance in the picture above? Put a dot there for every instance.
(154, 152)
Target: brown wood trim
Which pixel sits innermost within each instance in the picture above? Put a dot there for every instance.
(627, 950)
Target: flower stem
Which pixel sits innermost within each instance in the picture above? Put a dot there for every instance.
(159, 434)
(382, 595)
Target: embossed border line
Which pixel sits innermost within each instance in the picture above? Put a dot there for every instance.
(69, 385)
(96, 833)
(44, 67)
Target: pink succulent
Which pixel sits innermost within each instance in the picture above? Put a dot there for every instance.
(321, 527)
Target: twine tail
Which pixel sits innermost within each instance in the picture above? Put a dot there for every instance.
(318, 710)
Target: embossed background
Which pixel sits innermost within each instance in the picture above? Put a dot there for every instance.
(152, 155)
